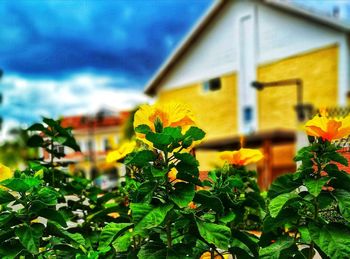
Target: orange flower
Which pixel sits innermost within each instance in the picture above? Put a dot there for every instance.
(328, 129)
(192, 205)
(241, 157)
(169, 114)
(114, 215)
(323, 174)
(327, 188)
(172, 174)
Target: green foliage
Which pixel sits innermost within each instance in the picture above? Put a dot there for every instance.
(163, 209)
(309, 208)
(47, 212)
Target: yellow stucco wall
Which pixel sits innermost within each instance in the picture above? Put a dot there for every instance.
(319, 72)
(215, 111)
(208, 159)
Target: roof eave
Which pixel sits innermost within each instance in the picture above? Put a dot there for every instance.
(153, 84)
(328, 21)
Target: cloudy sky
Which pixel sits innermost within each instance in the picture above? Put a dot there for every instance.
(64, 57)
(76, 56)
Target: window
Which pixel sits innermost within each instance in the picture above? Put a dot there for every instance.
(90, 145)
(212, 85)
(247, 114)
(106, 145)
(59, 149)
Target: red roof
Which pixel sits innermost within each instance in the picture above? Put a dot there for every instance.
(86, 122)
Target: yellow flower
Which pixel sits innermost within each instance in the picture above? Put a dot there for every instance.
(121, 152)
(169, 114)
(241, 157)
(192, 205)
(328, 129)
(114, 215)
(172, 174)
(5, 173)
(207, 255)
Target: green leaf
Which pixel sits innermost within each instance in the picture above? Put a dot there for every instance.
(325, 199)
(140, 159)
(39, 174)
(277, 203)
(48, 195)
(235, 182)
(304, 154)
(341, 179)
(212, 176)
(159, 140)
(122, 243)
(286, 216)
(187, 158)
(5, 217)
(55, 230)
(102, 213)
(6, 197)
(314, 186)
(153, 219)
(30, 236)
(143, 129)
(283, 184)
(21, 185)
(333, 240)
(74, 237)
(336, 157)
(110, 232)
(216, 234)
(247, 242)
(174, 132)
(183, 194)
(195, 133)
(305, 234)
(152, 251)
(37, 127)
(158, 172)
(209, 200)
(274, 250)
(71, 142)
(51, 122)
(191, 177)
(10, 249)
(343, 198)
(35, 141)
(228, 218)
(59, 139)
(53, 215)
(139, 210)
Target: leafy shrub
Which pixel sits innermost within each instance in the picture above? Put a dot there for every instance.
(164, 210)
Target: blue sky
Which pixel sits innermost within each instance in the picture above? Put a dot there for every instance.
(77, 56)
(64, 57)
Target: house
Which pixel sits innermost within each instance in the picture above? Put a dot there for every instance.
(244, 68)
(95, 135)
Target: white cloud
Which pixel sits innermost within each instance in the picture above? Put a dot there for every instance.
(25, 100)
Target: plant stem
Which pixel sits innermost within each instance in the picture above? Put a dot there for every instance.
(312, 245)
(168, 234)
(51, 163)
(134, 242)
(212, 254)
(311, 254)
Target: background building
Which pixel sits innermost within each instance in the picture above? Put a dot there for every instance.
(96, 135)
(303, 55)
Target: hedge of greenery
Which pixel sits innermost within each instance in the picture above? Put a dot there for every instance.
(164, 210)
